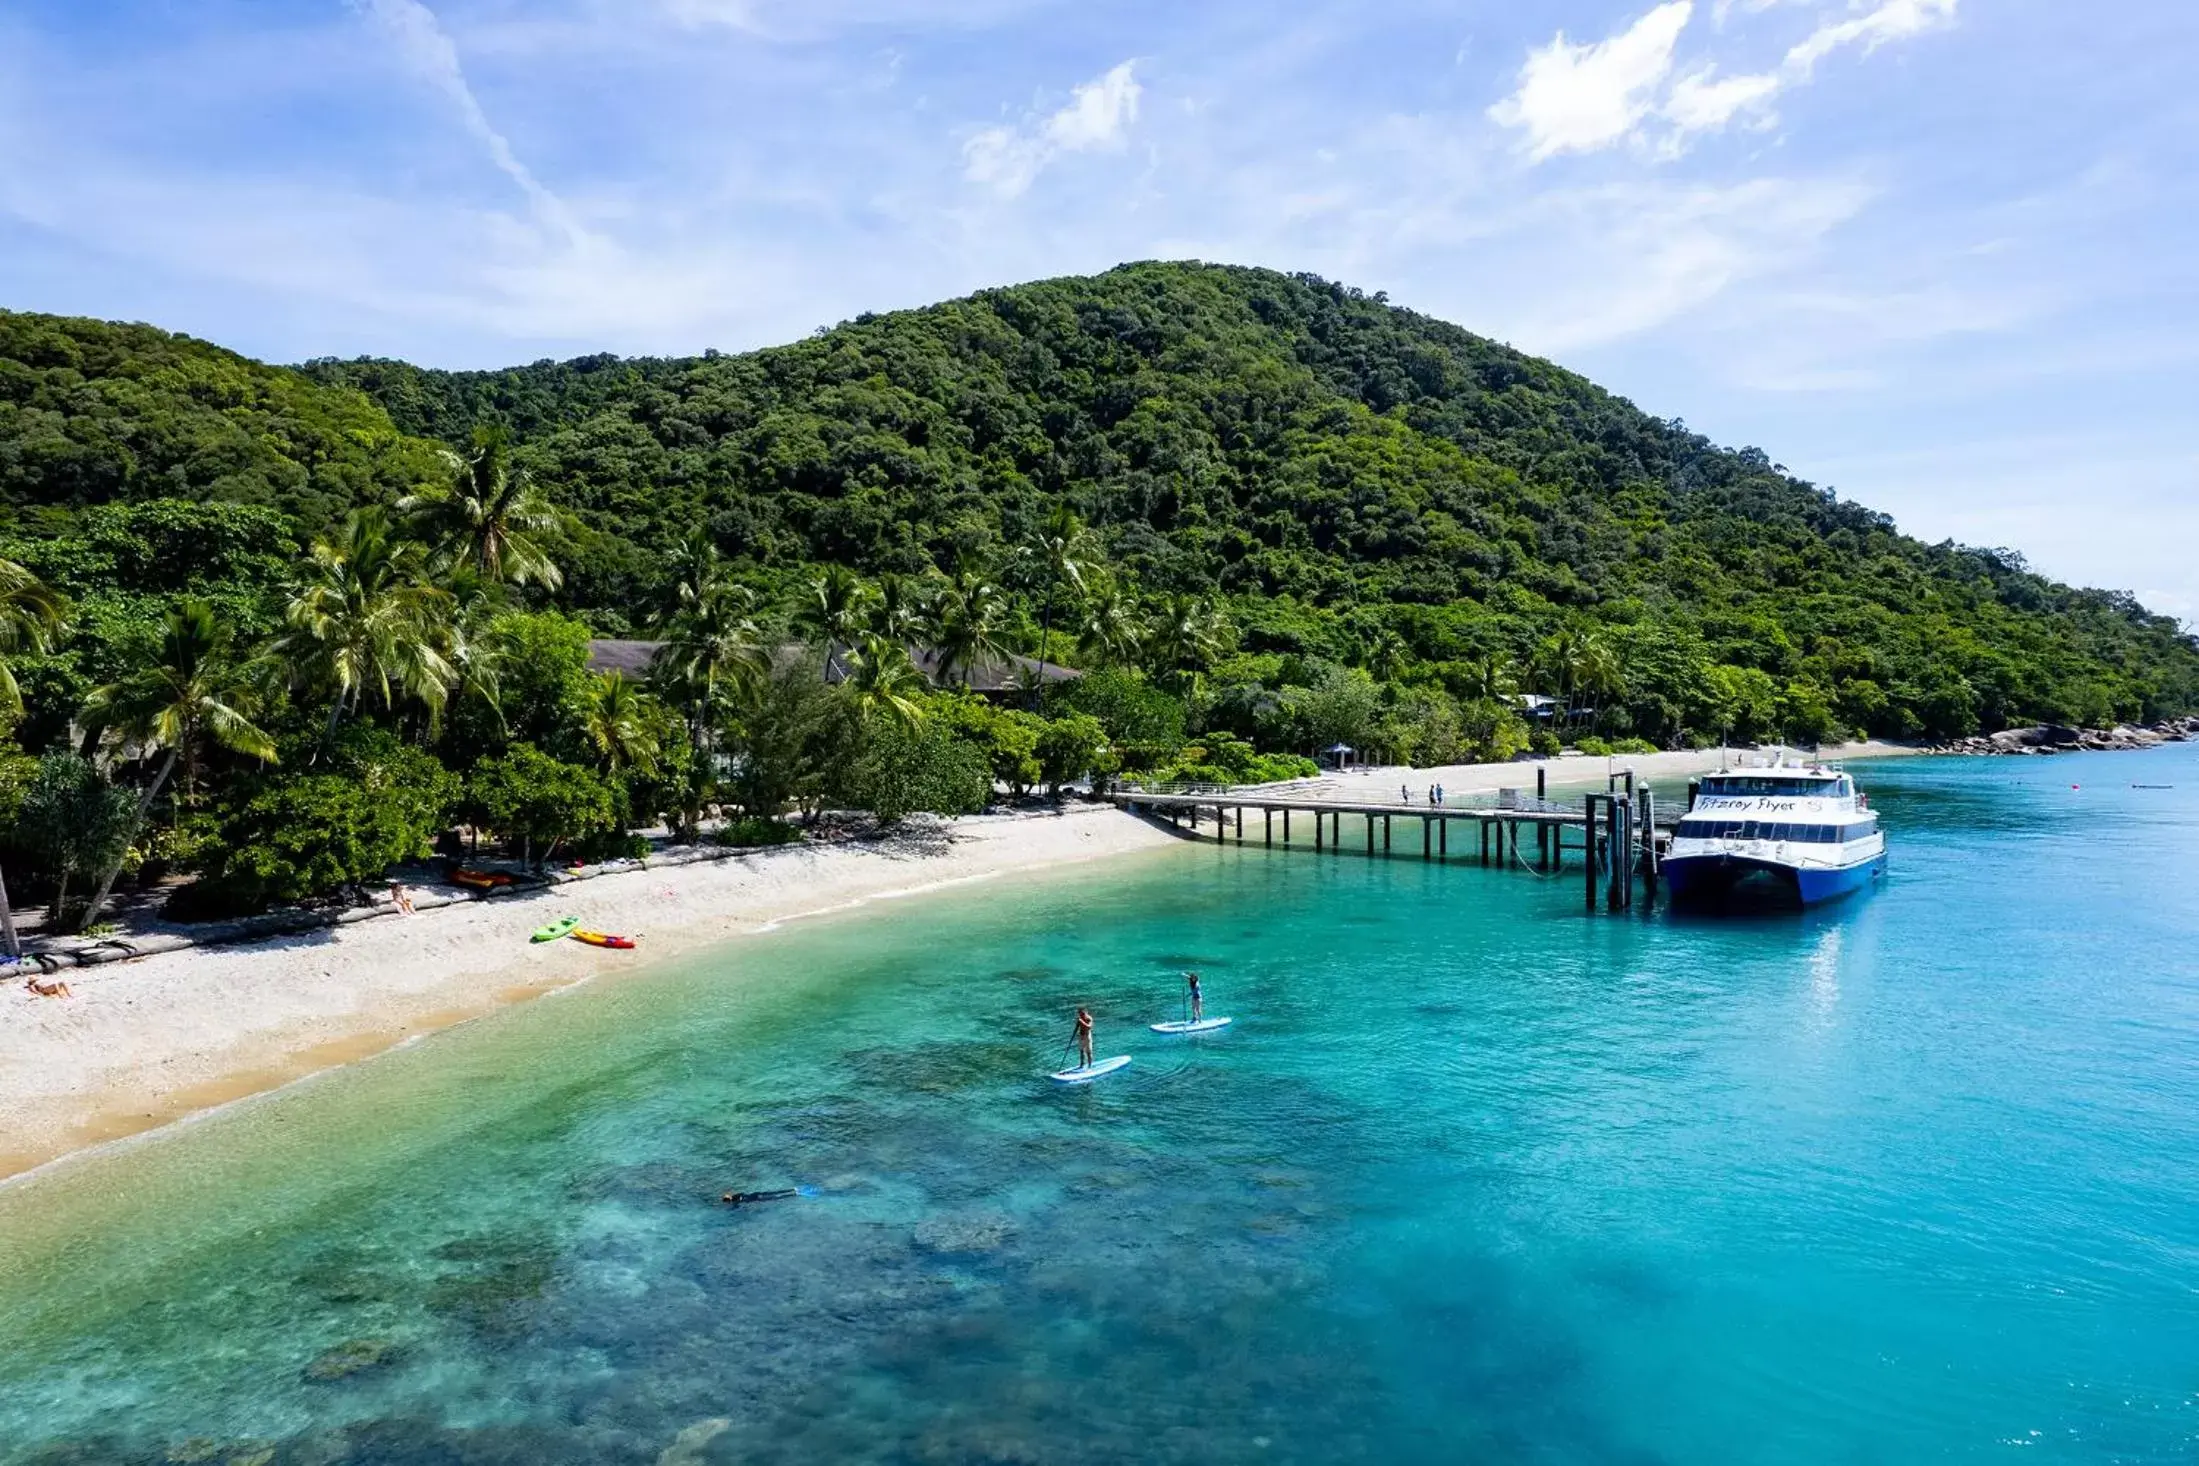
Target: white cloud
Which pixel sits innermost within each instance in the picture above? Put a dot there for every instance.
(1577, 99)
(1586, 98)
(1098, 118)
(1892, 20)
(429, 50)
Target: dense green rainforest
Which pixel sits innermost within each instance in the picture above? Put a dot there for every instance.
(1271, 512)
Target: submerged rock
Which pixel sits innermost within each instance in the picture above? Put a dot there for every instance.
(353, 1356)
(964, 1232)
(687, 1447)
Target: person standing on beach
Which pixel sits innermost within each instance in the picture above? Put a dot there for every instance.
(1084, 1038)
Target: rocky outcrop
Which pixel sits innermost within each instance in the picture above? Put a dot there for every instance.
(2048, 738)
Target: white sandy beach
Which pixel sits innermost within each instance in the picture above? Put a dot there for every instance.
(146, 1042)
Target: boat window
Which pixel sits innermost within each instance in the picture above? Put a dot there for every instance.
(1767, 786)
(1699, 827)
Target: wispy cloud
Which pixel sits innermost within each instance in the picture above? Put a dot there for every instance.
(1098, 118)
(428, 49)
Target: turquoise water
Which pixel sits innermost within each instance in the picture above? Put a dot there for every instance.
(1475, 1177)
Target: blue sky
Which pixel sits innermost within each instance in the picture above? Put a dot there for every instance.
(1935, 253)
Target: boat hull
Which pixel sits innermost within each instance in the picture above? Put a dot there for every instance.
(1710, 877)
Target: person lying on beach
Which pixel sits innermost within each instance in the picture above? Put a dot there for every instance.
(49, 987)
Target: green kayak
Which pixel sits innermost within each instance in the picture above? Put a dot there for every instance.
(563, 926)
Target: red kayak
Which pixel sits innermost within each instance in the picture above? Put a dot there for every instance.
(601, 939)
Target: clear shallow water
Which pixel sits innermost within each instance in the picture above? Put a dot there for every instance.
(1475, 1177)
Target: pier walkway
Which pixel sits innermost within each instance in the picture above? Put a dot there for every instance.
(1622, 821)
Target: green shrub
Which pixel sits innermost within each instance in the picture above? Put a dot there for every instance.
(925, 769)
(1071, 747)
(613, 844)
(309, 836)
(539, 803)
(1544, 744)
(754, 831)
(1595, 747)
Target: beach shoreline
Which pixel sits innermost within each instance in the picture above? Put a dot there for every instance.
(147, 1043)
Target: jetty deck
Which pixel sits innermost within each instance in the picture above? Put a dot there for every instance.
(1615, 835)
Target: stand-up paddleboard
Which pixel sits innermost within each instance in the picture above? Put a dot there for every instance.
(1091, 1071)
(1187, 1025)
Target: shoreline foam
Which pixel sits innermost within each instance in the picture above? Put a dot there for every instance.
(174, 1036)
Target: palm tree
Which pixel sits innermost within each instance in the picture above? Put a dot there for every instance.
(616, 721)
(31, 613)
(714, 643)
(898, 611)
(1185, 635)
(30, 618)
(1386, 657)
(833, 607)
(195, 688)
(1489, 678)
(1110, 632)
(884, 683)
(365, 623)
(489, 516)
(970, 611)
(1061, 548)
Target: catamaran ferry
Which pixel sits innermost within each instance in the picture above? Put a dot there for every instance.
(1803, 827)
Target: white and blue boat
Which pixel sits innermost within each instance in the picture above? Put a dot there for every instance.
(1802, 828)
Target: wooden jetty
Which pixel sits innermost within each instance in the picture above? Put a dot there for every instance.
(1614, 836)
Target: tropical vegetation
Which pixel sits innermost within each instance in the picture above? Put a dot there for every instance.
(278, 628)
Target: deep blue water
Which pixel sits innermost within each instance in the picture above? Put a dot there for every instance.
(1475, 1177)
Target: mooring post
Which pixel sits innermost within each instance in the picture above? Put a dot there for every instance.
(1542, 831)
(1615, 851)
(1267, 819)
(1484, 840)
(1286, 827)
(1443, 837)
(1370, 834)
(1320, 829)
(1651, 869)
(1426, 837)
(1385, 834)
(1240, 824)
(1588, 826)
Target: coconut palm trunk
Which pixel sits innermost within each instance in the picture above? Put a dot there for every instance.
(144, 804)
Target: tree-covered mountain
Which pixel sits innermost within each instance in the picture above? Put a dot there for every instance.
(1351, 486)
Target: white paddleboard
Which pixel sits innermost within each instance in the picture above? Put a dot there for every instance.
(1203, 1025)
(1091, 1071)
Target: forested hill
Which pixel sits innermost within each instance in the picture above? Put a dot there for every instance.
(1352, 485)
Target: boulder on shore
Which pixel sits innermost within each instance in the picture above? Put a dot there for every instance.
(2050, 738)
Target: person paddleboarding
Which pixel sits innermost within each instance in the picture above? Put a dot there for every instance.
(1198, 1001)
(1084, 1037)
